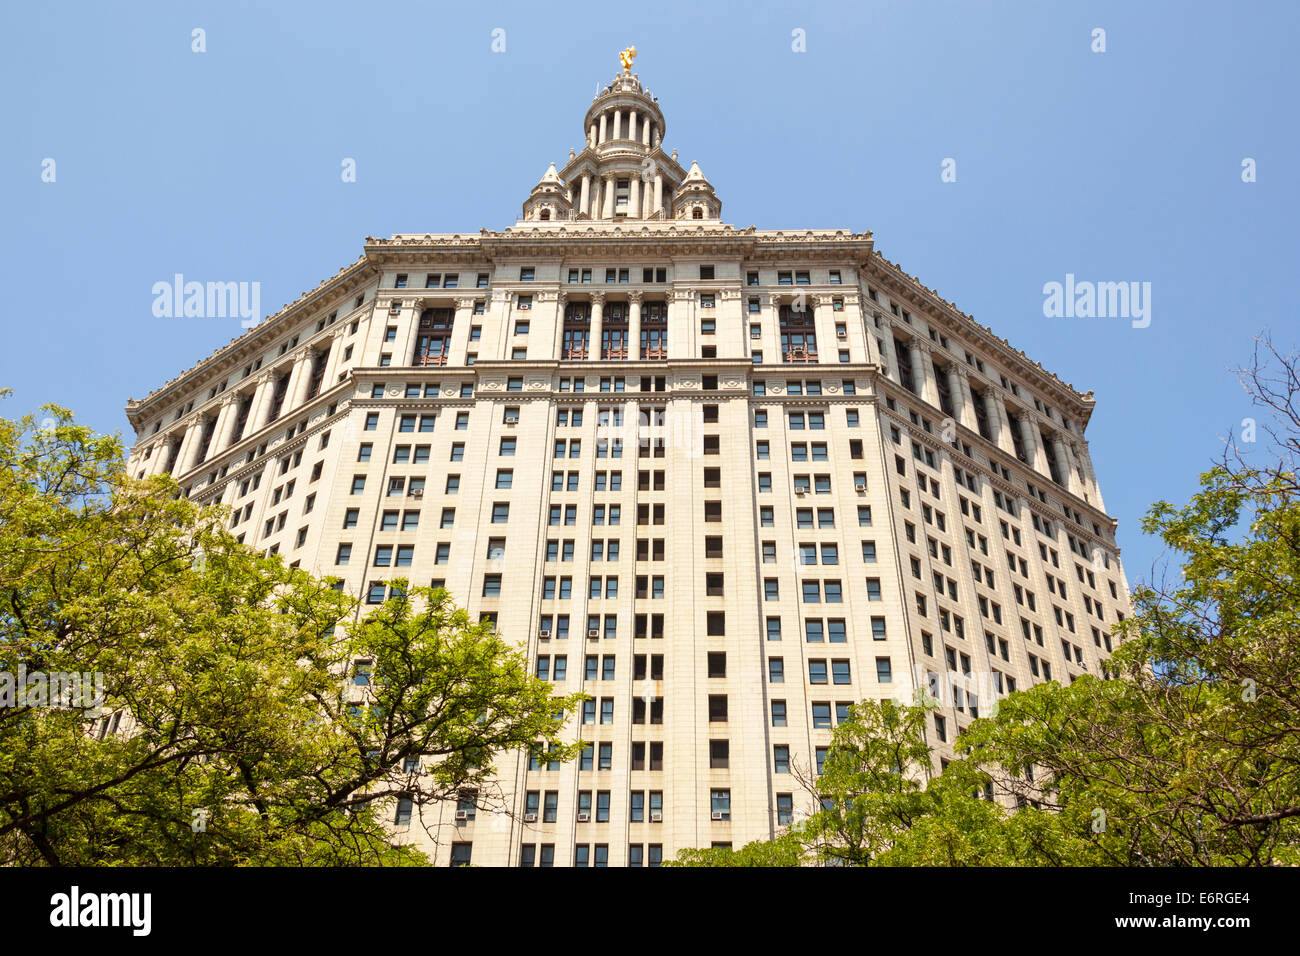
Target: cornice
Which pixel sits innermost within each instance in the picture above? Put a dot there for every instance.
(250, 342)
(890, 277)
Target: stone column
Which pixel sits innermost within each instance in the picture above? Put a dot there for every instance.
(997, 424)
(603, 127)
(335, 360)
(645, 131)
(261, 402)
(609, 197)
(634, 325)
(597, 310)
(1065, 461)
(226, 418)
(919, 378)
(1029, 438)
(299, 380)
(770, 328)
(189, 445)
(585, 194)
(890, 355)
(458, 347)
(159, 457)
(634, 197)
(591, 136)
(963, 400)
(659, 192)
(1091, 490)
(631, 124)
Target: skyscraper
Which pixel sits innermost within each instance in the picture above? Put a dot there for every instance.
(726, 481)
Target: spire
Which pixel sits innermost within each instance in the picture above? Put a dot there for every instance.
(622, 172)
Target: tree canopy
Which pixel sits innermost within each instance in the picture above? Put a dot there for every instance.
(235, 727)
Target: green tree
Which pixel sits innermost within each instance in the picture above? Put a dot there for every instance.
(243, 719)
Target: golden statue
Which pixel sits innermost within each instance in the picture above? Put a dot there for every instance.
(626, 57)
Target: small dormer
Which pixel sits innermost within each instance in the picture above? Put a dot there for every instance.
(695, 198)
(549, 201)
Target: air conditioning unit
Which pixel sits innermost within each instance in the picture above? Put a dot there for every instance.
(860, 489)
(415, 493)
(841, 333)
(584, 817)
(593, 633)
(656, 818)
(755, 333)
(512, 420)
(715, 815)
(462, 814)
(544, 634)
(801, 491)
(530, 818)
(394, 307)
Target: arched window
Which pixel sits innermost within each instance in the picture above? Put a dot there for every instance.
(697, 213)
(546, 214)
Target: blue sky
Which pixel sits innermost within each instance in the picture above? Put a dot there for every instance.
(1115, 166)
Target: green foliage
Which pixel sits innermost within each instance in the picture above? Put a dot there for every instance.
(231, 670)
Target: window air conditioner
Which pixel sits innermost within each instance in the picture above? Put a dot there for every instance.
(584, 817)
(656, 818)
(462, 814)
(715, 815)
(860, 488)
(530, 818)
(544, 634)
(593, 633)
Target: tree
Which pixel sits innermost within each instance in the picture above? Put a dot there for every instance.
(248, 736)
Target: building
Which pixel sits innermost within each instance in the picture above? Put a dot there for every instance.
(725, 480)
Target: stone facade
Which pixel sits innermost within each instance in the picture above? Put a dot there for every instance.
(820, 480)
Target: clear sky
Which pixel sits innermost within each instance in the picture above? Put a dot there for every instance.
(1123, 165)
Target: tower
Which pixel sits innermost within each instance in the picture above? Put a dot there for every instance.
(725, 480)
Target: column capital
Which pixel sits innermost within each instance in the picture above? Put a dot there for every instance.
(598, 298)
(636, 295)
(465, 302)
(229, 399)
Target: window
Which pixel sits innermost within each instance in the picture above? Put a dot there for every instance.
(781, 759)
(720, 804)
